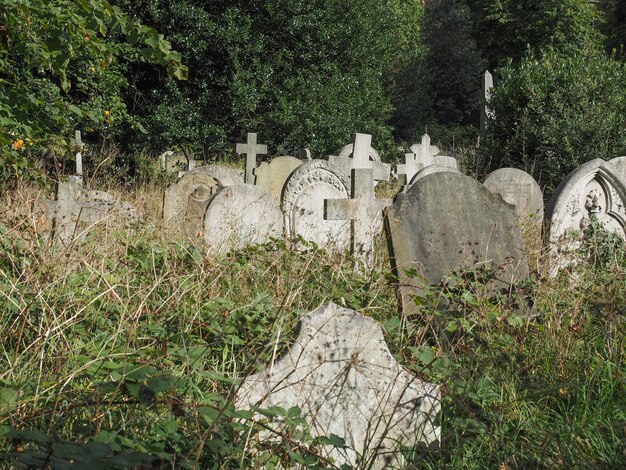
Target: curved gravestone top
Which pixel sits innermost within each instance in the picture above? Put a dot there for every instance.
(439, 165)
(447, 222)
(273, 175)
(99, 206)
(239, 216)
(303, 204)
(618, 165)
(520, 189)
(594, 190)
(340, 373)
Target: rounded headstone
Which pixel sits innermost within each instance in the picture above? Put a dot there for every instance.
(347, 150)
(303, 205)
(520, 189)
(595, 190)
(445, 167)
(273, 175)
(239, 216)
(176, 197)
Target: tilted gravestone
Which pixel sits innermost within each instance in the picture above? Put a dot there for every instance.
(520, 189)
(363, 210)
(251, 149)
(595, 191)
(273, 175)
(186, 200)
(340, 373)
(239, 216)
(448, 222)
(303, 205)
(361, 155)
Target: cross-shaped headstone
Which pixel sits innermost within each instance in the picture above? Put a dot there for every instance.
(362, 210)
(79, 155)
(361, 159)
(421, 156)
(251, 149)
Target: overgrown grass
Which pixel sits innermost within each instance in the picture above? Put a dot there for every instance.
(131, 344)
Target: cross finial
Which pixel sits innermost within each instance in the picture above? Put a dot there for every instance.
(251, 149)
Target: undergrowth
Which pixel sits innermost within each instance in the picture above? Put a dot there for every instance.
(127, 351)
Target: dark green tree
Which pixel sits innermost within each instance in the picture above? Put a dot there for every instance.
(505, 29)
(614, 25)
(300, 73)
(554, 112)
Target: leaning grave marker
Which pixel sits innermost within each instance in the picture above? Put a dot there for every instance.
(596, 191)
(340, 373)
(448, 222)
(239, 216)
(303, 205)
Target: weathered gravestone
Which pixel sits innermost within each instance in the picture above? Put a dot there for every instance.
(448, 222)
(303, 205)
(364, 156)
(239, 216)
(520, 189)
(273, 175)
(186, 200)
(363, 210)
(486, 112)
(251, 149)
(340, 373)
(76, 211)
(595, 191)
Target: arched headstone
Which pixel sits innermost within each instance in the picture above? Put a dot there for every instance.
(239, 216)
(520, 189)
(595, 190)
(273, 175)
(303, 205)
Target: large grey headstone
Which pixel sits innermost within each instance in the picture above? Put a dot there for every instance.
(520, 189)
(273, 175)
(239, 216)
(595, 190)
(448, 222)
(340, 373)
(303, 205)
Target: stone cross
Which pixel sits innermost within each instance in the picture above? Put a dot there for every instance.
(420, 157)
(362, 210)
(251, 149)
(485, 112)
(360, 159)
(79, 155)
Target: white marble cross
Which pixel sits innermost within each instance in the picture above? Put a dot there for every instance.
(420, 157)
(363, 210)
(251, 149)
(361, 159)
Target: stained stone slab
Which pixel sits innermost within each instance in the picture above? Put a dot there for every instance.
(595, 190)
(340, 373)
(273, 175)
(363, 210)
(520, 189)
(359, 155)
(448, 222)
(239, 216)
(303, 206)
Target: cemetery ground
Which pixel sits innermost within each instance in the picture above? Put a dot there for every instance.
(126, 351)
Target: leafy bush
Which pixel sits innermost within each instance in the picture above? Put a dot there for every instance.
(554, 112)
